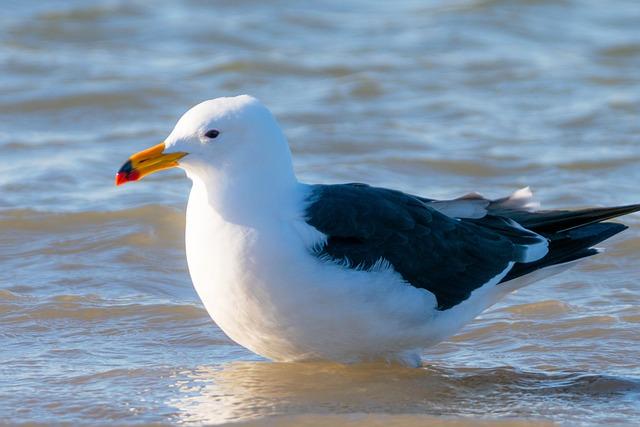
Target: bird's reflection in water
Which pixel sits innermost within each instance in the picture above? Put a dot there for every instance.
(393, 395)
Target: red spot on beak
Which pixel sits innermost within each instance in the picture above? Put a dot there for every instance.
(124, 176)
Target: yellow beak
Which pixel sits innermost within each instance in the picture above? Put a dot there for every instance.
(147, 162)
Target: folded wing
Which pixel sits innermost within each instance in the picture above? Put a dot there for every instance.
(430, 250)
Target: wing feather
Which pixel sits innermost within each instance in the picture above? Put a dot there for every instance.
(448, 257)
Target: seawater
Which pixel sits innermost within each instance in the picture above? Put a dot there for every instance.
(99, 323)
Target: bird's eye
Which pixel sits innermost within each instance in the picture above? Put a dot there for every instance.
(212, 133)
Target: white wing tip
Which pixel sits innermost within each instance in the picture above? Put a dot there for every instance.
(536, 251)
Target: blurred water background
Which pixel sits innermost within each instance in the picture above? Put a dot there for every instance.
(98, 319)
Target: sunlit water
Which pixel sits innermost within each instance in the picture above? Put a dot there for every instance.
(99, 322)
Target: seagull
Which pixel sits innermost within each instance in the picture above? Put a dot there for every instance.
(347, 272)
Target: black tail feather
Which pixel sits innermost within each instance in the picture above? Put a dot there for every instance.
(549, 222)
(571, 234)
(569, 246)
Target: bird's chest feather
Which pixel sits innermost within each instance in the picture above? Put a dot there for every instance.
(241, 276)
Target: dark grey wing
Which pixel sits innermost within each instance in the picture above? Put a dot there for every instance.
(571, 234)
(448, 257)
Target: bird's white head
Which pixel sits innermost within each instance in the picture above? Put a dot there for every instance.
(233, 143)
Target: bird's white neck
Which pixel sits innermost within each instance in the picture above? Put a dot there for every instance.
(249, 191)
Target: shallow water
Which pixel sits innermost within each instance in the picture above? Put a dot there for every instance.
(99, 322)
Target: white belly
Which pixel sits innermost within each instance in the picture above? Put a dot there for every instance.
(266, 291)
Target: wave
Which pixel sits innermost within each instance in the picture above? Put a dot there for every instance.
(113, 98)
(92, 308)
(35, 220)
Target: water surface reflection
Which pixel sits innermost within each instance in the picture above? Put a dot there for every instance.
(254, 390)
